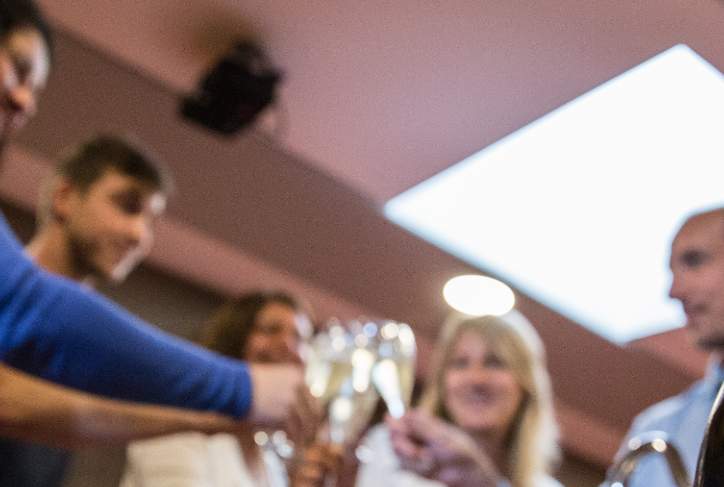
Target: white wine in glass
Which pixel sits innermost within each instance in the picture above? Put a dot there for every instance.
(352, 409)
(350, 367)
(339, 374)
(394, 372)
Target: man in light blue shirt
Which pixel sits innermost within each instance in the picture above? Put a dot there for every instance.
(697, 264)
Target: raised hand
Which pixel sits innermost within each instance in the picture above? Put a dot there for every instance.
(432, 448)
(273, 392)
(314, 465)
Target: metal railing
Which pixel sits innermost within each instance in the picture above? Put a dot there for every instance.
(651, 442)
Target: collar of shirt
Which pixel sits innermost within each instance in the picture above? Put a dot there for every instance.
(715, 372)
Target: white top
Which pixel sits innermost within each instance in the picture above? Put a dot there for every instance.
(383, 468)
(194, 460)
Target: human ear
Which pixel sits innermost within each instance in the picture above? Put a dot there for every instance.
(63, 196)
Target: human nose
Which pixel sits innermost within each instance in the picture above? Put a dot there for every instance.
(292, 349)
(478, 374)
(141, 232)
(678, 287)
(22, 100)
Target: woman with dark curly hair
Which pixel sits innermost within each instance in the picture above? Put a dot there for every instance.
(258, 327)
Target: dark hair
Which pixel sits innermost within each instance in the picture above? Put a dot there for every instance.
(229, 328)
(89, 161)
(19, 14)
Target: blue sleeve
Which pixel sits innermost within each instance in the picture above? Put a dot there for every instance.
(56, 329)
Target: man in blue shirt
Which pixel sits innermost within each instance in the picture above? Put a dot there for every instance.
(95, 223)
(97, 211)
(697, 264)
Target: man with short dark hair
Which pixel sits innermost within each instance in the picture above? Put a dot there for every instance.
(97, 209)
(697, 264)
(94, 224)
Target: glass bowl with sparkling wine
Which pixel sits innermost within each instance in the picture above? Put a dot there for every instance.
(354, 363)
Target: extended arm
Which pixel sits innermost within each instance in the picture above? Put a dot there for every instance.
(55, 329)
(32, 409)
(439, 451)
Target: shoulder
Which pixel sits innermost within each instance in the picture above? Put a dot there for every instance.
(382, 468)
(7, 237)
(546, 481)
(378, 434)
(538, 481)
(174, 448)
(379, 449)
(379, 445)
(179, 459)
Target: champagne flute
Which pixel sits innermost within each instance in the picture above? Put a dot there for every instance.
(351, 366)
(339, 374)
(394, 372)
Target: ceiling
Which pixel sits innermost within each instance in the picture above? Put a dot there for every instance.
(376, 97)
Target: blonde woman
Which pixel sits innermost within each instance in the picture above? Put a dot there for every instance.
(485, 419)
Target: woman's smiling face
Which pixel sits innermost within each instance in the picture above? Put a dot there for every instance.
(482, 395)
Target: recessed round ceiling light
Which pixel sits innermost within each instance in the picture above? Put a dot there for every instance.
(478, 295)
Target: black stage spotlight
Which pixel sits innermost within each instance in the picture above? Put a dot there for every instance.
(234, 91)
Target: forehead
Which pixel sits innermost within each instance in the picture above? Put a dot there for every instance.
(114, 181)
(28, 44)
(702, 232)
(471, 341)
(280, 313)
